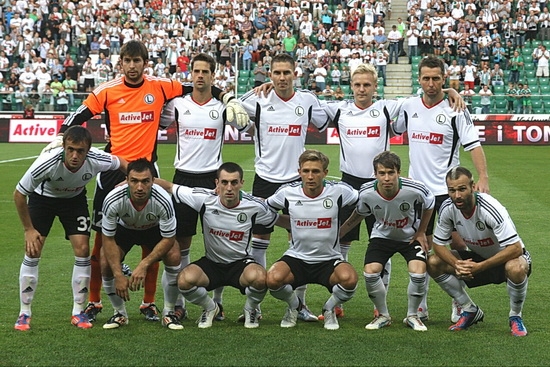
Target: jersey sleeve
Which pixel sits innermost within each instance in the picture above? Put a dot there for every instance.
(350, 196)
(194, 197)
(248, 102)
(444, 229)
(469, 137)
(167, 116)
(167, 217)
(106, 161)
(38, 172)
(393, 106)
(110, 208)
(276, 201)
(265, 216)
(319, 117)
(502, 225)
(400, 125)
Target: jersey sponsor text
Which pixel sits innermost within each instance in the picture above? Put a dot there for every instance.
(319, 223)
(136, 117)
(290, 130)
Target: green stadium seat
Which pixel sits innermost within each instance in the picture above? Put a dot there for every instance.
(544, 90)
(500, 101)
(530, 73)
(501, 110)
(346, 90)
(538, 111)
(544, 81)
(242, 81)
(528, 64)
(244, 73)
(242, 89)
(546, 43)
(533, 82)
(527, 51)
(499, 89)
(416, 60)
(476, 101)
(536, 102)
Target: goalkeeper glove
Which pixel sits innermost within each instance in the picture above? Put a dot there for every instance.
(235, 111)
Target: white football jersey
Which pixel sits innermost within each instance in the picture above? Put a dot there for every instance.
(118, 209)
(435, 135)
(397, 218)
(364, 133)
(486, 232)
(48, 175)
(227, 231)
(281, 128)
(315, 222)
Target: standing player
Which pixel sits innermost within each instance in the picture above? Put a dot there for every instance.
(227, 217)
(55, 185)
(497, 254)
(281, 120)
(200, 123)
(314, 254)
(435, 134)
(132, 105)
(141, 213)
(402, 209)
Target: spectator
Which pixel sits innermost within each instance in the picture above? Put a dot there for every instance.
(515, 65)
(314, 88)
(345, 76)
(526, 102)
(467, 94)
(381, 62)
(328, 93)
(542, 56)
(27, 79)
(88, 72)
(486, 95)
(497, 75)
(511, 97)
(469, 73)
(454, 71)
(62, 100)
(412, 37)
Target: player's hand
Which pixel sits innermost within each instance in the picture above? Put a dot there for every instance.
(456, 101)
(263, 89)
(56, 143)
(33, 243)
(121, 287)
(137, 280)
(482, 185)
(235, 111)
(423, 241)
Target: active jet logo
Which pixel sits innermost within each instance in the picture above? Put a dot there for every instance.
(234, 236)
(485, 242)
(136, 117)
(284, 130)
(399, 223)
(319, 223)
(430, 138)
(206, 133)
(363, 132)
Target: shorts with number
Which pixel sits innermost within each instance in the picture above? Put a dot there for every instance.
(346, 211)
(439, 199)
(73, 214)
(186, 216)
(220, 275)
(127, 238)
(264, 189)
(494, 275)
(105, 182)
(380, 250)
(307, 273)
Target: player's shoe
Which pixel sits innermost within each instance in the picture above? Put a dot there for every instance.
(379, 322)
(456, 311)
(92, 310)
(305, 314)
(116, 321)
(126, 270)
(415, 323)
(251, 320)
(220, 316)
(171, 321)
(423, 314)
(330, 319)
(241, 317)
(468, 319)
(516, 326)
(150, 311)
(81, 321)
(23, 323)
(180, 312)
(289, 319)
(207, 317)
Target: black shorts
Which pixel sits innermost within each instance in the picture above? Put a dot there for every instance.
(73, 214)
(105, 182)
(264, 189)
(380, 250)
(494, 275)
(305, 273)
(346, 211)
(89, 82)
(186, 216)
(439, 199)
(220, 275)
(127, 238)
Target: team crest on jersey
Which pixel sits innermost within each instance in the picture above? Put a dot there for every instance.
(151, 217)
(327, 203)
(404, 207)
(242, 217)
(440, 119)
(87, 176)
(480, 225)
(149, 98)
(374, 113)
(214, 115)
(299, 111)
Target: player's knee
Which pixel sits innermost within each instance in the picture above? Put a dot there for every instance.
(347, 276)
(516, 270)
(434, 265)
(274, 279)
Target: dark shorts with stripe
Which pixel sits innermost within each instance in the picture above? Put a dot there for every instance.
(439, 199)
(126, 238)
(494, 275)
(186, 216)
(346, 211)
(306, 273)
(220, 275)
(380, 250)
(73, 214)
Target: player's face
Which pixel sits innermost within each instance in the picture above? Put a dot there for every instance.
(75, 154)
(461, 192)
(283, 75)
(388, 180)
(132, 67)
(228, 187)
(201, 75)
(313, 176)
(363, 87)
(140, 185)
(431, 80)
